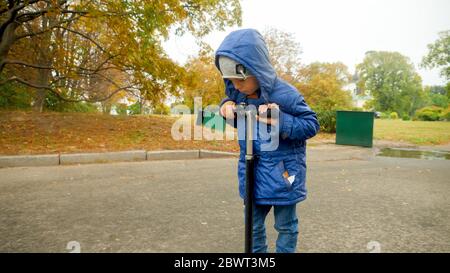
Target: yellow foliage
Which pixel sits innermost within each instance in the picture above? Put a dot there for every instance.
(322, 85)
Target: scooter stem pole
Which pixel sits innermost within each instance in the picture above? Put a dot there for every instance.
(249, 180)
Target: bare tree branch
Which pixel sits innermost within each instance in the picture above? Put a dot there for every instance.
(25, 4)
(84, 36)
(18, 79)
(7, 61)
(99, 67)
(55, 25)
(56, 93)
(28, 16)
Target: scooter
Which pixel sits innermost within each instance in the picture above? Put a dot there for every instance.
(249, 114)
(250, 118)
(250, 157)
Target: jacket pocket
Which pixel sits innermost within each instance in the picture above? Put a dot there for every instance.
(287, 170)
(276, 176)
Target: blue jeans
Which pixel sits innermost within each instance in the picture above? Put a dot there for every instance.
(286, 223)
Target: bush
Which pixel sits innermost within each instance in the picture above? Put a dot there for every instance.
(327, 120)
(355, 108)
(445, 116)
(14, 96)
(430, 113)
(393, 115)
(121, 109)
(135, 109)
(405, 117)
(428, 116)
(53, 103)
(161, 109)
(384, 115)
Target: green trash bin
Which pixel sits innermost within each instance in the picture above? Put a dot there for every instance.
(354, 128)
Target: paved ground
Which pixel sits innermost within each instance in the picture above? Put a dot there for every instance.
(193, 206)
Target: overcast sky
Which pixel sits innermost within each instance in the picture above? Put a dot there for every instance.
(342, 30)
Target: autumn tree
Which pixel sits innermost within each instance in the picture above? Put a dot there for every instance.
(82, 41)
(284, 53)
(322, 85)
(202, 80)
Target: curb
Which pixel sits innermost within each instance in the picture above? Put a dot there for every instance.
(215, 154)
(29, 160)
(82, 158)
(172, 154)
(124, 156)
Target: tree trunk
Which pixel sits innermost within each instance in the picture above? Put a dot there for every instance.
(41, 94)
(106, 107)
(44, 58)
(6, 41)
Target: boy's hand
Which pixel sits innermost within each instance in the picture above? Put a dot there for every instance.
(228, 109)
(263, 108)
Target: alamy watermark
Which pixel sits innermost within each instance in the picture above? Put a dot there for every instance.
(267, 134)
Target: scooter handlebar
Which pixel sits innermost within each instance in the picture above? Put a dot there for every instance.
(241, 107)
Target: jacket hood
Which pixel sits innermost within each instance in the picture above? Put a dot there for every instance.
(247, 46)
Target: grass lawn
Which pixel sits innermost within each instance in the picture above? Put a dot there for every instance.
(24, 132)
(415, 132)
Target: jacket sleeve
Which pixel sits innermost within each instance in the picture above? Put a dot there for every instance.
(301, 123)
(226, 99)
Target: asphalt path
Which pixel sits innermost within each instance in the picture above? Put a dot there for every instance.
(357, 202)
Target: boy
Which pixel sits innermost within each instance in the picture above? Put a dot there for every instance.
(249, 77)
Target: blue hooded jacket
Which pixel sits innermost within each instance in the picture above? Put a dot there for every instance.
(296, 120)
